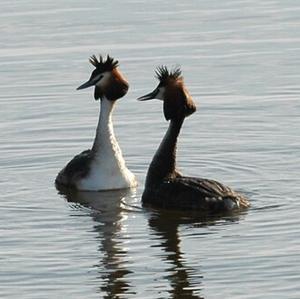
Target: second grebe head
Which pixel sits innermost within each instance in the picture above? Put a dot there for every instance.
(178, 103)
(107, 79)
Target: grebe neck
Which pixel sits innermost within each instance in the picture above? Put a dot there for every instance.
(105, 136)
(163, 164)
(107, 169)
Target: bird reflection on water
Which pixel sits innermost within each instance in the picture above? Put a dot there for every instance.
(106, 210)
(165, 225)
(110, 209)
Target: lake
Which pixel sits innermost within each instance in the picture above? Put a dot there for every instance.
(240, 61)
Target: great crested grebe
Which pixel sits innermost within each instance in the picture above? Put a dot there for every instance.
(165, 187)
(102, 167)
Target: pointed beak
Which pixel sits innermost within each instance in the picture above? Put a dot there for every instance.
(86, 84)
(149, 96)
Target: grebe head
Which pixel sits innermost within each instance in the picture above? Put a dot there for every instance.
(107, 79)
(178, 103)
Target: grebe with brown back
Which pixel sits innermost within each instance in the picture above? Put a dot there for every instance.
(165, 186)
(102, 167)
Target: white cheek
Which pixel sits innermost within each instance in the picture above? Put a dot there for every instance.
(104, 79)
(160, 94)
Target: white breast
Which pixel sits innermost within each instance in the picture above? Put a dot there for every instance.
(108, 170)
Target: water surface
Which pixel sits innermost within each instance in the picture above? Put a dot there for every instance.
(241, 64)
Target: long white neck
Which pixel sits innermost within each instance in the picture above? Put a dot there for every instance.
(107, 169)
(105, 138)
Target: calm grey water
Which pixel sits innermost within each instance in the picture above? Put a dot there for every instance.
(241, 62)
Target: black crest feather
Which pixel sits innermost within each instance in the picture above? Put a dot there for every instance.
(104, 65)
(163, 74)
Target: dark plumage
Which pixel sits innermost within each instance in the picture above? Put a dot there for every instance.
(165, 187)
(188, 193)
(76, 169)
(104, 65)
(163, 74)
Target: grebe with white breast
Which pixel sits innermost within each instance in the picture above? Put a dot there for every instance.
(102, 167)
(165, 187)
